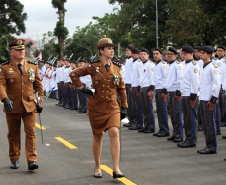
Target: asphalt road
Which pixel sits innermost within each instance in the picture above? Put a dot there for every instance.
(146, 160)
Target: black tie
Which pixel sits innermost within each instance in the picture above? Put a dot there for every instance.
(19, 67)
(107, 67)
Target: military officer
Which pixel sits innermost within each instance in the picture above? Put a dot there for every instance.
(209, 92)
(18, 78)
(161, 68)
(189, 85)
(147, 86)
(104, 110)
(173, 87)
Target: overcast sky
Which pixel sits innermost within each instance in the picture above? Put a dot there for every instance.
(42, 16)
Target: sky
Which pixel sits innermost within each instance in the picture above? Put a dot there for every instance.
(42, 16)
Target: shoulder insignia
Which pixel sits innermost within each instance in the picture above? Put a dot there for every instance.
(94, 61)
(139, 60)
(164, 62)
(32, 62)
(214, 65)
(6, 62)
(117, 64)
(194, 62)
(178, 62)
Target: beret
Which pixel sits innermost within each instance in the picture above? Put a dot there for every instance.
(207, 49)
(222, 47)
(129, 47)
(135, 51)
(157, 49)
(144, 50)
(188, 49)
(211, 47)
(172, 49)
(198, 48)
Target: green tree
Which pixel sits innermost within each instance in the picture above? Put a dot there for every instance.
(12, 20)
(60, 31)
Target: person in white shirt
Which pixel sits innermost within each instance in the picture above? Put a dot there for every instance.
(209, 91)
(128, 69)
(58, 95)
(147, 86)
(161, 68)
(173, 87)
(136, 114)
(67, 82)
(61, 85)
(42, 69)
(189, 86)
(74, 104)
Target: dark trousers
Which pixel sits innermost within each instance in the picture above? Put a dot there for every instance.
(148, 114)
(161, 112)
(200, 124)
(190, 119)
(129, 99)
(74, 98)
(136, 113)
(81, 98)
(65, 93)
(174, 111)
(68, 94)
(209, 126)
(221, 105)
(217, 116)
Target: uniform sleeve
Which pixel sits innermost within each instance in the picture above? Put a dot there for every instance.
(151, 77)
(75, 74)
(216, 84)
(224, 76)
(122, 92)
(194, 82)
(38, 85)
(179, 73)
(2, 83)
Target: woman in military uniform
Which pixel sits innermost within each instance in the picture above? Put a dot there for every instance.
(104, 110)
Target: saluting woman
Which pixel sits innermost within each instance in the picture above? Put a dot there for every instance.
(104, 110)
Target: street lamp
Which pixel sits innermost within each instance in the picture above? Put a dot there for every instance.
(157, 35)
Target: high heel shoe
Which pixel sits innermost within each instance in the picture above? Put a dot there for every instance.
(120, 175)
(99, 175)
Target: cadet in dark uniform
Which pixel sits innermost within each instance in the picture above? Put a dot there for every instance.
(18, 78)
(209, 91)
(104, 110)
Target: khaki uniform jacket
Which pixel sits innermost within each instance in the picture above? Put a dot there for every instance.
(105, 90)
(19, 88)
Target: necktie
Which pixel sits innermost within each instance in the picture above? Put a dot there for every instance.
(107, 67)
(19, 67)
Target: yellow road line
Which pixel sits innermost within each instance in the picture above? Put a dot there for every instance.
(124, 180)
(66, 143)
(39, 126)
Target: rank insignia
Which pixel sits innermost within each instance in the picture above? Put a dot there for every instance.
(10, 71)
(97, 69)
(216, 71)
(116, 80)
(165, 66)
(180, 67)
(31, 74)
(195, 70)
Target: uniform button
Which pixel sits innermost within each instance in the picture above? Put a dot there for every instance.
(103, 91)
(108, 86)
(105, 79)
(22, 90)
(107, 91)
(103, 85)
(109, 80)
(106, 97)
(102, 96)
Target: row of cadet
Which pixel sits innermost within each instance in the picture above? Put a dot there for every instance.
(191, 91)
(57, 83)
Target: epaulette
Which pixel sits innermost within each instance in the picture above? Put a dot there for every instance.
(139, 60)
(177, 61)
(164, 62)
(214, 65)
(94, 61)
(6, 62)
(31, 62)
(117, 64)
(194, 62)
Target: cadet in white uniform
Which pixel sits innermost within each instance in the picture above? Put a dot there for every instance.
(147, 86)
(189, 86)
(61, 78)
(67, 82)
(136, 114)
(173, 87)
(160, 93)
(209, 91)
(127, 81)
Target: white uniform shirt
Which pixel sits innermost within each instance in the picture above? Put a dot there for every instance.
(123, 72)
(189, 83)
(128, 69)
(67, 71)
(147, 74)
(57, 75)
(173, 76)
(135, 73)
(61, 73)
(219, 64)
(88, 81)
(161, 68)
(209, 82)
